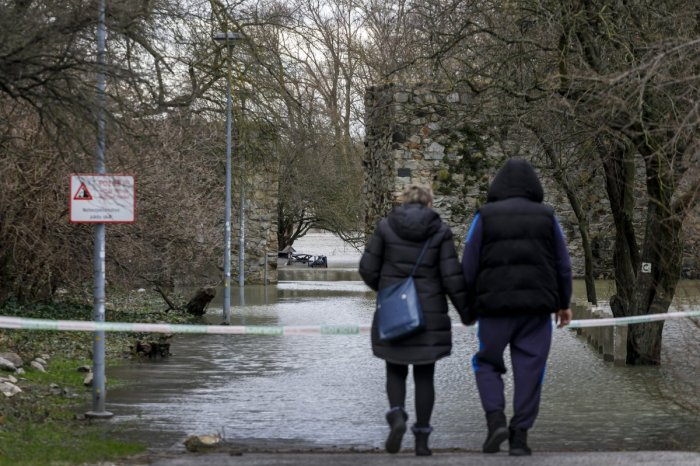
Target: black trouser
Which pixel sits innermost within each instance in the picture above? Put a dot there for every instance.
(425, 391)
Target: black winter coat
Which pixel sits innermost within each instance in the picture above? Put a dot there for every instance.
(517, 271)
(389, 258)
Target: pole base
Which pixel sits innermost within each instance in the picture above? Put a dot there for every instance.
(98, 415)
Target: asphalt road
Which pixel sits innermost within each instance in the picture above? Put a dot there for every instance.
(236, 458)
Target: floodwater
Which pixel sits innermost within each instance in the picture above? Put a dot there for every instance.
(327, 391)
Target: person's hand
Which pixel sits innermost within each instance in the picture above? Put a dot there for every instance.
(468, 318)
(470, 321)
(563, 317)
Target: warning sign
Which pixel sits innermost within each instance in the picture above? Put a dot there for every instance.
(102, 199)
(83, 194)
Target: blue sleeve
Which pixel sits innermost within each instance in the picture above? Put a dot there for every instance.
(563, 265)
(472, 250)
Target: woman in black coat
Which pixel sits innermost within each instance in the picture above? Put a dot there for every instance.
(389, 258)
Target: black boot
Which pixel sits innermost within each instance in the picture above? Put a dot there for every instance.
(422, 434)
(518, 442)
(396, 417)
(498, 431)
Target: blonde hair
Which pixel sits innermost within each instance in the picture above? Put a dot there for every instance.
(415, 194)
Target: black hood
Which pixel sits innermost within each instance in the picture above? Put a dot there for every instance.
(516, 178)
(414, 222)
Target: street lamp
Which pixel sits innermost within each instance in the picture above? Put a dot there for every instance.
(98, 343)
(228, 38)
(241, 220)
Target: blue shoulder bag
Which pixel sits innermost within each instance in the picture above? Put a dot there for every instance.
(399, 313)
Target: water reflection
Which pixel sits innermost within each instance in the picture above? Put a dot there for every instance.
(327, 391)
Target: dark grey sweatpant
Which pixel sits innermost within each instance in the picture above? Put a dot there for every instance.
(530, 338)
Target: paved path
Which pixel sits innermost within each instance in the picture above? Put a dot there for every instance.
(665, 458)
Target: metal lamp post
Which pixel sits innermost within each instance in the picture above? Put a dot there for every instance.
(241, 221)
(98, 344)
(228, 38)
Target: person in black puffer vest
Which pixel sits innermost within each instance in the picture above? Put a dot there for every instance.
(389, 258)
(518, 273)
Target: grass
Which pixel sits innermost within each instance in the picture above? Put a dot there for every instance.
(124, 306)
(64, 372)
(53, 442)
(38, 427)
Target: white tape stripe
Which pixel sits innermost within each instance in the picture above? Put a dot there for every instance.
(632, 319)
(89, 326)
(75, 325)
(10, 322)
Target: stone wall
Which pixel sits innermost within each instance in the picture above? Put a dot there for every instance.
(261, 195)
(434, 137)
(423, 136)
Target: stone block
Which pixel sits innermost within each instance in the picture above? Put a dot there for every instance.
(620, 345)
(401, 97)
(578, 312)
(435, 152)
(399, 153)
(608, 343)
(594, 335)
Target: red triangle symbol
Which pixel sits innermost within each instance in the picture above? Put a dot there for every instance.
(82, 194)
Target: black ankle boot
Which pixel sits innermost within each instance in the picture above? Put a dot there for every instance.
(396, 417)
(518, 442)
(422, 434)
(498, 431)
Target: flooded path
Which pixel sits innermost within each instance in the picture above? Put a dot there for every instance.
(327, 391)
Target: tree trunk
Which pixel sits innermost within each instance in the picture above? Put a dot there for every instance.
(645, 282)
(660, 264)
(589, 278)
(619, 182)
(199, 302)
(583, 226)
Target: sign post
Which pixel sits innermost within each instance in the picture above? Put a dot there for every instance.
(101, 199)
(98, 313)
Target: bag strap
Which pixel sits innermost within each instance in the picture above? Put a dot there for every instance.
(420, 257)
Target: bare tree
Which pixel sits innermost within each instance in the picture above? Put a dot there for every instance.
(47, 66)
(304, 84)
(620, 78)
(628, 75)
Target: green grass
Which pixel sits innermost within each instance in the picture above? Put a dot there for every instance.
(63, 372)
(52, 443)
(125, 306)
(37, 427)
